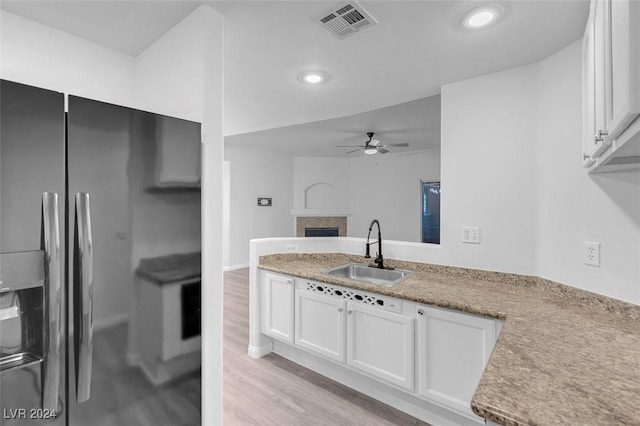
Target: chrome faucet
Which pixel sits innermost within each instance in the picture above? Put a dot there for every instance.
(378, 262)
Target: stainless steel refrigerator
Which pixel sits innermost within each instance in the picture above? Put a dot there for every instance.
(48, 256)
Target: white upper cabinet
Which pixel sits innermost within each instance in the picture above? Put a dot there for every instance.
(622, 20)
(177, 153)
(596, 136)
(611, 74)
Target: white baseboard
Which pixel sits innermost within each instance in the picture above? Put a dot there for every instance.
(388, 394)
(256, 352)
(235, 267)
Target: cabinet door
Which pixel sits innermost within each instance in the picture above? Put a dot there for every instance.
(622, 21)
(380, 343)
(453, 349)
(588, 92)
(320, 324)
(596, 139)
(277, 320)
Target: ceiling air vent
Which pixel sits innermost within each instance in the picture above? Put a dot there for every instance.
(347, 20)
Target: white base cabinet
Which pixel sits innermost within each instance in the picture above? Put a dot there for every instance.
(320, 324)
(453, 349)
(426, 353)
(277, 306)
(380, 344)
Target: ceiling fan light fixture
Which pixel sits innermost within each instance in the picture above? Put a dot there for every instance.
(371, 150)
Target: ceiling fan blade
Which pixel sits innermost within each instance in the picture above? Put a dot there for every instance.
(374, 142)
(396, 144)
(349, 146)
(349, 152)
(382, 151)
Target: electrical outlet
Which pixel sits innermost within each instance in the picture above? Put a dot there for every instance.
(471, 235)
(291, 248)
(591, 253)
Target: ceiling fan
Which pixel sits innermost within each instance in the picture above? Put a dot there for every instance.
(372, 146)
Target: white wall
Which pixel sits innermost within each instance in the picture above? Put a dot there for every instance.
(387, 187)
(333, 172)
(42, 56)
(253, 174)
(173, 68)
(489, 128)
(575, 207)
(511, 164)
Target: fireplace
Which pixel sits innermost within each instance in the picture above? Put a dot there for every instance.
(321, 232)
(321, 226)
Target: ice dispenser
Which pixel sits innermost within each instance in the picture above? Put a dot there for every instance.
(30, 306)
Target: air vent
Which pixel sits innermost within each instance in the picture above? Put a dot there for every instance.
(346, 20)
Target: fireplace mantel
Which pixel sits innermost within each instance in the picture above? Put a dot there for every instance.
(318, 213)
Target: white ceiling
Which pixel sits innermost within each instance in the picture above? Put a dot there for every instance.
(416, 123)
(124, 25)
(416, 47)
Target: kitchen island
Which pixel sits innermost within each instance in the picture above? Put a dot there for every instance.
(564, 355)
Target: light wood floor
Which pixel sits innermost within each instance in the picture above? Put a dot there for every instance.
(275, 391)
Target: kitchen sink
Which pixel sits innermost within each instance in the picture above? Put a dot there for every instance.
(371, 275)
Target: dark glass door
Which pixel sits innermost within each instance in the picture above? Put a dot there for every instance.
(431, 212)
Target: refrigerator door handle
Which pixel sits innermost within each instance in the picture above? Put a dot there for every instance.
(50, 244)
(83, 296)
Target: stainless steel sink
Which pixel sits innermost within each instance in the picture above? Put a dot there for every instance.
(359, 272)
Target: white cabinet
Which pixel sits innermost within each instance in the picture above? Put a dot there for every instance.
(437, 363)
(611, 86)
(595, 137)
(622, 51)
(320, 324)
(177, 152)
(380, 343)
(277, 306)
(453, 349)
(333, 321)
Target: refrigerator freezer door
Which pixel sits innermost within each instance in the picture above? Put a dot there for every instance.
(32, 162)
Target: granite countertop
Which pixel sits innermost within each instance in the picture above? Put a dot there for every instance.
(564, 357)
(170, 269)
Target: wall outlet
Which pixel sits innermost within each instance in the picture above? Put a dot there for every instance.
(471, 235)
(591, 253)
(291, 248)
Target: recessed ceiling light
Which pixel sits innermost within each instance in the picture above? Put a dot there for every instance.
(313, 77)
(481, 17)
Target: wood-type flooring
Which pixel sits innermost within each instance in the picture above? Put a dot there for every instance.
(273, 391)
